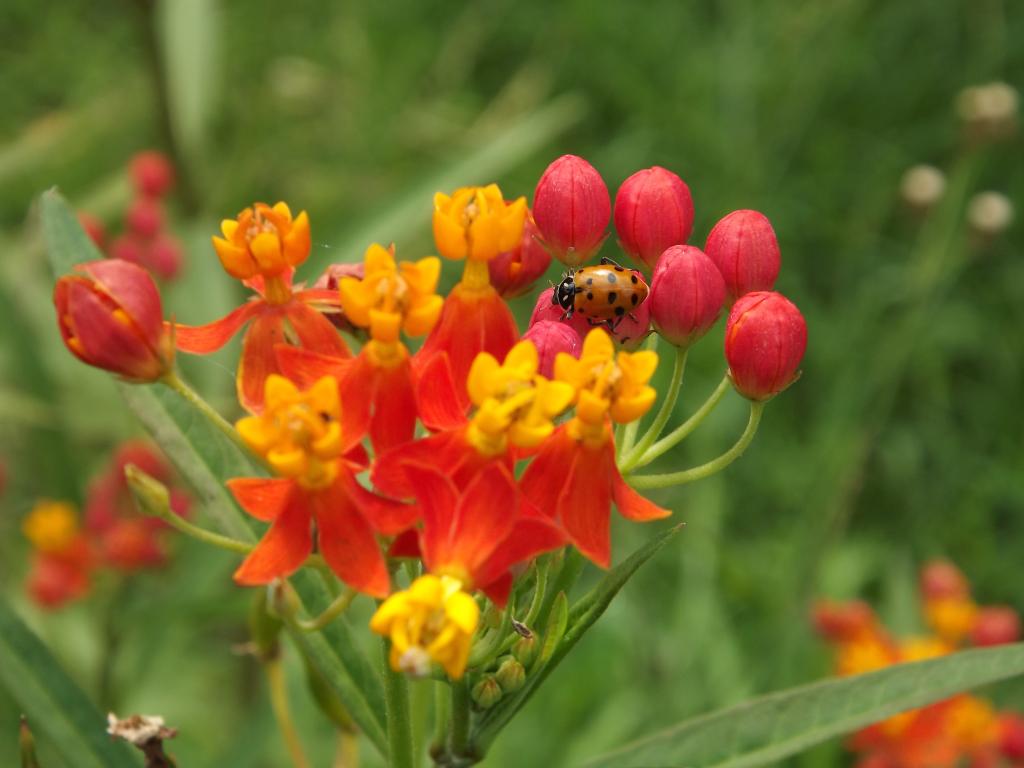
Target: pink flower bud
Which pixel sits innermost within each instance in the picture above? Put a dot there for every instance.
(571, 207)
(687, 294)
(550, 338)
(165, 257)
(152, 173)
(996, 625)
(144, 217)
(940, 579)
(110, 317)
(744, 248)
(546, 309)
(513, 273)
(765, 340)
(93, 228)
(653, 210)
(633, 328)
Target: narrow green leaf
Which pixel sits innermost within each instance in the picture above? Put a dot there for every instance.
(190, 37)
(768, 729)
(60, 712)
(66, 241)
(558, 620)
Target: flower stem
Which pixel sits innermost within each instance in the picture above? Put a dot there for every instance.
(442, 709)
(396, 699)
(330, 613)
(704, 470)
(279, 703)
(193, 398)
(458, 741)
(680, 433)
(653, 432)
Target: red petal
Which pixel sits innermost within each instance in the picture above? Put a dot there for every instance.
(585, 504)
(387, 516)
(134, 291)
(529, 537)
(348, 544)
(445, 452)
(319, 296)
(357, 387)
(547, 474)
(437, 398)
(438, 499)
(315, 331)
(258, 360)
(283, 548)
(632, 505)
(499, 589)
(406, 545)
(485, 514)
(394, 407)
(204, 339)
(261, 497)
(305, 367)
(358, 457)
(106, 342)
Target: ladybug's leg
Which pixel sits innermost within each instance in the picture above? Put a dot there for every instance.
(613, 323)
(605, 260)
(568, 313)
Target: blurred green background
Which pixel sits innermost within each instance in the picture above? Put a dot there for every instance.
(902, 441)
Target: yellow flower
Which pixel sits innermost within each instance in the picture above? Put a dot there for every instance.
(392, 297)
(263, 240)
(51, 525)
(972, 722)
(514, 403)
(432, 620)
(298, 433)
(477, 222)
(606, 383)
(951, 617)
(861, 656)
(922, 648)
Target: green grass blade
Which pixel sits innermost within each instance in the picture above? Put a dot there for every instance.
(766, 730)
(60, 713)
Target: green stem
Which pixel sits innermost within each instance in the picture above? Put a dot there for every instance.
(330, 613)
(668, 404)
(279, 703)
(458, 743)
(539, 590)
(681, 432)
(442, 710)
(704, 470)
(175, 382)
(396, 699)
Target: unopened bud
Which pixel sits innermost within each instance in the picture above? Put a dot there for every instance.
(653, 211)
(941, 579)
(765, 340)
(514, 272)
(996, 625)
(546, 309)
(525, 649)
(990, 213)
(744, 248)
(152, 173)
(145, 217)
(486, 693)
(571, 207)
(922, 186)
(843, 622)
(511, 675)
(165, 256)
(550, 338)
(687, 294)
(1011, 736)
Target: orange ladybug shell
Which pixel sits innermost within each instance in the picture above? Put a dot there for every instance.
(608, 292)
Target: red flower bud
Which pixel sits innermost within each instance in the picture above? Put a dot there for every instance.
(940, 579)
(164, 258)
(514, 272)
(110, 316)
(653, 210)
(765, 340)
(687, 294)
(550, 338)
(546, 309)
(93, 228)
(633, 328)
(1011, 741)
(843, 622)
(744, 248)
(571, 207)
(152, 173)
(144, 217)
(996, 625)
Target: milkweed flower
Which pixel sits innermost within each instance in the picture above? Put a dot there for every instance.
(262, 247)
(470, 539)
(377, 386)
(299, 434)
(572, 209)
(574, 477)
(110, 316)
(62, 560)
(765, 340)
(475, 224)
(653, 211)
(744, 248)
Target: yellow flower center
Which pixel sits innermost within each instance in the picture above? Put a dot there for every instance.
(432, 621)
(298, 433)
(514, 403)
(477, 223)
(51, 526)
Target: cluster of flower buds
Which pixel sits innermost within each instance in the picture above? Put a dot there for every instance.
(110, 534)
(962, 730)
(145, 239)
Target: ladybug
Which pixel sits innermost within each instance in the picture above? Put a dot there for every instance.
(603, 294)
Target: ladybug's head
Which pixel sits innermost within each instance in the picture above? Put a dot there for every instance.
(564, 294)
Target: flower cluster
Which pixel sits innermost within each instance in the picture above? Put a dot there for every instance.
(111, 534)
(482, 449)
(145, 239)
(963, 730)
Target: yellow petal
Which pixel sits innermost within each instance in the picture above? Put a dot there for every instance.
(555, 396)
(297, 242)
(638, 367)
(281, 209)
(422, 315)
(329, 445)
(354, 301)
(627, 409)
(463, 611)
(511, 225)
(228, 227)
(422, 276)
(449, 236)
(290, 463)
(378, 259)
(598, 344)
(485, 234)
(482, 373)
(257, 433)
(391, 609)
(266, 249)
(426, 590)
(526, 435)
(279, 391)
(569, 370)
(235, 259)
(523, 358)
(385, 326)
(591, 408)
(323, 396)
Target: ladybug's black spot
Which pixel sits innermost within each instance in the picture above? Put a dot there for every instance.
(611, 278)
(579, 271)
(612, 297)
(620, 311)
(590, 296)
(619, 269)
(633, 279)
(590, 281)
(634, 298)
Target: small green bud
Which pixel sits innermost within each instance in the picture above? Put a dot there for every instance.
(486, 693)
(525, 649)
(492, 616)
(264, 628)
(510, 675)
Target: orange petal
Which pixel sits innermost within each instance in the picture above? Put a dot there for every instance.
(394, 407)
(437, 498)
(204, 339)
(387, 516)
(486, 512)
(585, 503)
(348, 544)
(283, 548)
(315, 331)
(444, 451)
(632, 505)
(261, 497)
(258, 359)
(529, 537)
(545, 477)
(305, 367)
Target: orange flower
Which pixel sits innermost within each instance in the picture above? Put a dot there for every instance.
(62, 561)
(300, 435)
(574, 477)
(262, 247)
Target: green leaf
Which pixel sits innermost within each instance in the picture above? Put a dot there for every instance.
(59, 711)
(580, 619)
(66, 241)
(558, 620)
(190, 36)
(768, 729)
